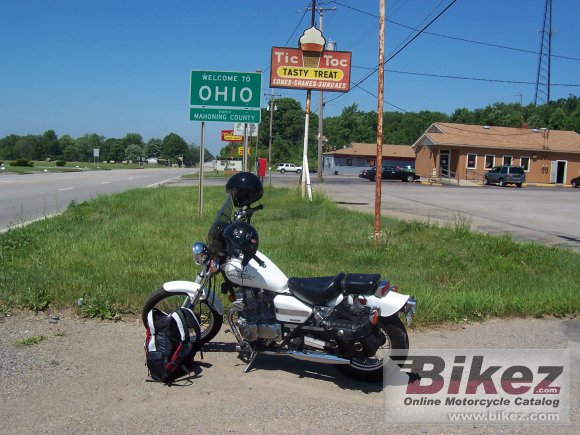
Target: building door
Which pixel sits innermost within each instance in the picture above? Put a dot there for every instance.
(444, 163)
(558, 171)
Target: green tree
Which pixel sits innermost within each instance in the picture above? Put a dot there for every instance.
(7, 147)
(558, 119)
(153, 147)
(134, 152)
(132, 139)
(174, 146)
(48, 146)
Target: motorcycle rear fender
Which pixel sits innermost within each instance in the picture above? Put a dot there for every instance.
(388, 305)
(192, 289)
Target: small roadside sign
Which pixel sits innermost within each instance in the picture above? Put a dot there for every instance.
(229, 136)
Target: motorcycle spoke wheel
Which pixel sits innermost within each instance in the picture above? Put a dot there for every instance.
(209, 320)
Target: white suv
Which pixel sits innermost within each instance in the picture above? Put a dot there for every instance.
(289, 167)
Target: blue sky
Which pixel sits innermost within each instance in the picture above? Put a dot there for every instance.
(113, 67)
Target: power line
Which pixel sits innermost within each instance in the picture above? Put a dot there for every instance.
(471, 41)
(470, 78)
(293, 32)
(356, 85)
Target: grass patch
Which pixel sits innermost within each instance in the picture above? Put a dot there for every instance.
(115, 250)
(30, 341)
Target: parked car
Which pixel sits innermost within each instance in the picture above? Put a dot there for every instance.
(289, 167)
(390, 173)
(575, 182)
(504, 175)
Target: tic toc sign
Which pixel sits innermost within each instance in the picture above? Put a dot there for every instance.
(294, 69)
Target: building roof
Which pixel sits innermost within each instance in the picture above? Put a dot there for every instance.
(477, 136)
(370, 150)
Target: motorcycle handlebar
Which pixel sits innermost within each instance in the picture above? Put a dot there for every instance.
(245, 214)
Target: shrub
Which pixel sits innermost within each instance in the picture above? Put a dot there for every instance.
(60, 163)
(22, 162)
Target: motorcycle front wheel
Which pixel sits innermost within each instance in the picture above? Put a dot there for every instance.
(210, 321)
(371, 369)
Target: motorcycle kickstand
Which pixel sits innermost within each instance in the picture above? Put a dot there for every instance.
(251, 360)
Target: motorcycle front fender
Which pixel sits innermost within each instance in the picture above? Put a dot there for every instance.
(388, 305)
(193, 289)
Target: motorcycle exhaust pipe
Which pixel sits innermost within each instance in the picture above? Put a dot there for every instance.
(312, 356)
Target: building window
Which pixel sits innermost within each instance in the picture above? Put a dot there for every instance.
(507, 160)
(525, 163)
(471, 161)
(489, 161)
(348, 162)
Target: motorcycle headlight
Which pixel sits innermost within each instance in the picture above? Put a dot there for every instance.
(200, 252)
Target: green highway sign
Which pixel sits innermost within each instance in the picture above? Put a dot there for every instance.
(251, 116)
(225, 89)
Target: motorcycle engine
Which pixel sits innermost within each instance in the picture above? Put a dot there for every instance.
(257, 315)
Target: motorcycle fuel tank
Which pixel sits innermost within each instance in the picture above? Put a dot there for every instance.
(268, 277)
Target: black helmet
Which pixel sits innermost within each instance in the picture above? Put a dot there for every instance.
(245, 188)
(241, 238)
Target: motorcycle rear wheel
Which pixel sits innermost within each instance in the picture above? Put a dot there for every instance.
(371, 369)
(210, 321)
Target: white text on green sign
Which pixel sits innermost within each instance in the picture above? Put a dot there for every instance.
(224, 115)
(225, 89)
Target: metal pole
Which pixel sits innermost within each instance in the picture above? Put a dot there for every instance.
(305, 172)
(245, 157)
(256, 148)
(321, 105)
(201, 162)
(381, 84)
(270, 140)
(272, 95)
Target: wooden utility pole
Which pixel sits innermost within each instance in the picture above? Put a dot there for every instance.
(379, 161)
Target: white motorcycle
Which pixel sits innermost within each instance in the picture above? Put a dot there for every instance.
(350, 320)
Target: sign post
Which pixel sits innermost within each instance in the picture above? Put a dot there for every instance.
(201, 162)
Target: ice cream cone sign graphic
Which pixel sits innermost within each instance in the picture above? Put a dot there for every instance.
(312, 44)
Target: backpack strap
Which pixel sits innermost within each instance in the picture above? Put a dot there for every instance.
(194, 323)
(151, 332)
(179, 319)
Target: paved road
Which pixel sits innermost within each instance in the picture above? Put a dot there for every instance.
(544, 215)
(27, 197)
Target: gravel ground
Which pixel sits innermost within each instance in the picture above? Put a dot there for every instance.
(89, 376)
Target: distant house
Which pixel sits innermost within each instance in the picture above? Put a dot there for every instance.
(352, 159)
(466, 152)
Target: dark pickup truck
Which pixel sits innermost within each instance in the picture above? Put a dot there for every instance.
(390, 173)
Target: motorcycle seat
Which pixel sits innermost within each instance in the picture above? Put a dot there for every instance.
(365, 284)
(316, 291)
